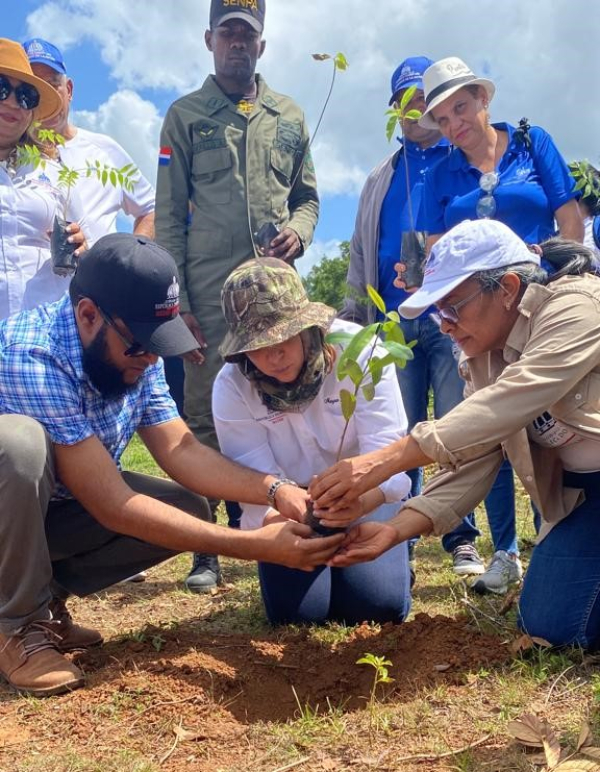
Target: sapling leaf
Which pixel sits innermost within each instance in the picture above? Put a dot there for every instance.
(390, 126)
(340, 61)
(413, 115)
(376, 298)
(406, 97)
(348, 402)
(113, 178)
(393, 316)
(393, 332)
(368, 391)
(357, 344)
(376, 366)
(338, 338)
(399, 351)
(580, 184)
(353, 371)
(104, 177)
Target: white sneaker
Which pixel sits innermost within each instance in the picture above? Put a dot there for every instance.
(504, 570)
(466, 560)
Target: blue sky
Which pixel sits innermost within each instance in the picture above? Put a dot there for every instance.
(130, 60)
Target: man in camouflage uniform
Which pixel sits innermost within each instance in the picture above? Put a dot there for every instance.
(234, 158)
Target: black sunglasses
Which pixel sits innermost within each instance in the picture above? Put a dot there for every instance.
(27, 96)
(134, 349)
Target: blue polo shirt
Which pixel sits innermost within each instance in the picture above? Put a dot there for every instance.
(394, 217)
(534, 183)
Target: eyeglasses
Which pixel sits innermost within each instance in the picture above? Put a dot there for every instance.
(27, 96)
(134, 349)
(450, 313)
(486, 206)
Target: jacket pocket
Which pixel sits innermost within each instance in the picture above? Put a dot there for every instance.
(212, 177)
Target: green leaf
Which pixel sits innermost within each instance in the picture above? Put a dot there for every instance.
(340, 61)
(393, 316)
(413, 115)
(348, 402)
(339, 338)
(390, 127)
(356, 345)
(113, 178)
(104, 177)
(351, 370)
(368, 391)
(376, 298)
(580, 184)
(406, 97)
(400, 352)
(376, 366)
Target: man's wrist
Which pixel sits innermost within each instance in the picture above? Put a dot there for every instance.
(275, 486)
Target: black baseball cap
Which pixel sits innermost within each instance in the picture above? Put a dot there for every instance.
(250, 11)
(132, 278)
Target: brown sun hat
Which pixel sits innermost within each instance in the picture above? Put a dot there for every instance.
(15, 64)
(265, 303)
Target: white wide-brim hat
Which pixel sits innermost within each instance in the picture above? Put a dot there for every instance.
(445, 78)
(469, 247)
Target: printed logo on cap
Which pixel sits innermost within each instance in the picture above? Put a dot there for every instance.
(36, 49)
(171, 305)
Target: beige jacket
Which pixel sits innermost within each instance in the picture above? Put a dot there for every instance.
(551, 362)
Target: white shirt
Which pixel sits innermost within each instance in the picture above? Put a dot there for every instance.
(588, 236)
(300, 445)
(102, 203)
(28, 202)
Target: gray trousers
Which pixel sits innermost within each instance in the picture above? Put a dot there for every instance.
(44, 542)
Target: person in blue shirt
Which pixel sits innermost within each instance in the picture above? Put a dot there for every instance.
(383, 216)
(77, 378)
(497, 171)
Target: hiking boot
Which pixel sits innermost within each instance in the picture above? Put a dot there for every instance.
(205, 574)
(31, 663)
(505, 569)
(466, 560)
(69, 636)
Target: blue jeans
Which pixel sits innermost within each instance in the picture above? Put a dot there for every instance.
(433, 367)
(374, 592)
(561, 591)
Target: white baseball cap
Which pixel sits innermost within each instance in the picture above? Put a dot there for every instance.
(470, 247)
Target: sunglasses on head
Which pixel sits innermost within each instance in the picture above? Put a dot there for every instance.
(26, 95)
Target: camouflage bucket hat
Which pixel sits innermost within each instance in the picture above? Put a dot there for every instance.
(264, 303)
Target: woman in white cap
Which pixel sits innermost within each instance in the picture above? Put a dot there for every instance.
(497, 171)
(29, 198)
(532, 338)
(277, 409)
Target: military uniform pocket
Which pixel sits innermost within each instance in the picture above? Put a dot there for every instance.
(211, 175)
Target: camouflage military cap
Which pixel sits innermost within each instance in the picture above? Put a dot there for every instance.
(264, 303)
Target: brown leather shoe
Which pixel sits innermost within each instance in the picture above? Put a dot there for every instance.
(31, 664)
(70, 636)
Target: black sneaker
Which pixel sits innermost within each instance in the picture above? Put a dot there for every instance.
(205, 574)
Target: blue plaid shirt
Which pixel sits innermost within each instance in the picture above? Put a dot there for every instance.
(41, 376)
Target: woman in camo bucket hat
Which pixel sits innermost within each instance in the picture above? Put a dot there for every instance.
(264, 302)
(277, 407)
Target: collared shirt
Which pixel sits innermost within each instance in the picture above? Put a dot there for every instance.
(550, 363)
(301, 444)
(41, 376)
(394, 218)
(533, 184)
(29, 200)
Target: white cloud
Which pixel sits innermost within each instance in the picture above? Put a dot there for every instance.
(543, 57)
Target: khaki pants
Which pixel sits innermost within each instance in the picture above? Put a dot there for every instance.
(44, 541)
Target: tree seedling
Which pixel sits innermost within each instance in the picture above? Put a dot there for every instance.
(364, 377)
(412, 253)
(381, 675)
(63, 262)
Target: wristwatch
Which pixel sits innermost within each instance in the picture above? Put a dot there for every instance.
(275, 486)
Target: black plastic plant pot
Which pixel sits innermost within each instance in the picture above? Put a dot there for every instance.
(412, 256)
(63, 259)
(314, 523)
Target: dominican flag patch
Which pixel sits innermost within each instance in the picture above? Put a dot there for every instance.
(164, 156)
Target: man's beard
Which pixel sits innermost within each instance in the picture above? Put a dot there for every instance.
(107, 378)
